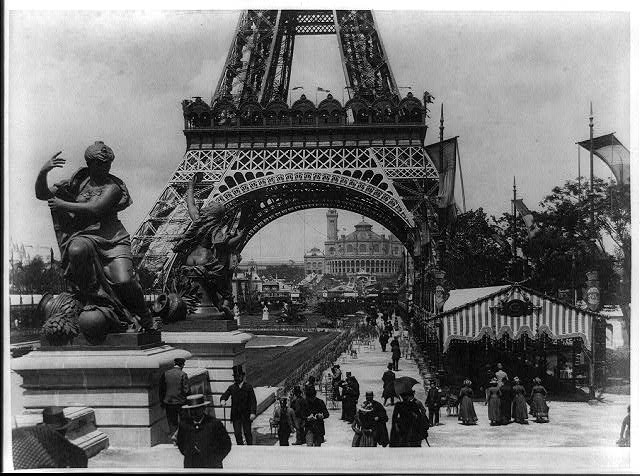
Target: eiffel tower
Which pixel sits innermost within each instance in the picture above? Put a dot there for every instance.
(267, 158)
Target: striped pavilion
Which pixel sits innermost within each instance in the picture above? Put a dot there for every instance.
(530, 333)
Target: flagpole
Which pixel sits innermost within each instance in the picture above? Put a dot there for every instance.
(513, 236)
(591, 164)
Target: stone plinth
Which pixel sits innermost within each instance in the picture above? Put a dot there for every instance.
(119, 383)
(218, 353)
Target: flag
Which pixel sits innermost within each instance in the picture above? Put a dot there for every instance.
(611, 151)
(446, 166)
(527, 216)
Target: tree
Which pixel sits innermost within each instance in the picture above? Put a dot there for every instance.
(477, 253)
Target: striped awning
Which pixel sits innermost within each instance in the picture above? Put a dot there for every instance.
(485, 316)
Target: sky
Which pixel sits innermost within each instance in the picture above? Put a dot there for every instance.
(516, 89)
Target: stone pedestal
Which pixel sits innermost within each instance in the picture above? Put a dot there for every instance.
(218, 353)
(118, 380)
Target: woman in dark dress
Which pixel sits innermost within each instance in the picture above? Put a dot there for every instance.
(467, 414)
(493, 401)
(539, 407)
(506, 397)
(388, 390)
(519, 406)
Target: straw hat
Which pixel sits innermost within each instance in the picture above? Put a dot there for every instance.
(196, 401)
(516, 379)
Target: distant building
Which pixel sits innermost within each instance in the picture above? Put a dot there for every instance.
(361, 250)
(314, 261)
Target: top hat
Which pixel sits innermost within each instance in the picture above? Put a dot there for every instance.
(237, 370)
(179, 361)
(348, 374)
(369, 394)
(54, 417)
(196, 401)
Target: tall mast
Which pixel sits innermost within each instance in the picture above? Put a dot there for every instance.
(591, 164)
(513, 236)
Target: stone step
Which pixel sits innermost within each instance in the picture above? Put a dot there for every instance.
(92, 443)
(82, 430)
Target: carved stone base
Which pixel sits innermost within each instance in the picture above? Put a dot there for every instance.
(121, 340)
(119, 382)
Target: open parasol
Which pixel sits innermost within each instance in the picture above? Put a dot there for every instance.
(404, 384)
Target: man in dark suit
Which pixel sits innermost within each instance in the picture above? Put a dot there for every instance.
(433, 404)
(380, 433)
(314, 413)
(174, 388)
(243, 405)
(202, 439)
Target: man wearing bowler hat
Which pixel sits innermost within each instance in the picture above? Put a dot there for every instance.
(202, 439)
(45, 445)
(243, 405)
(174, 388)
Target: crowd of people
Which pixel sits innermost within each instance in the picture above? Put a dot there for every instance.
(506, 401)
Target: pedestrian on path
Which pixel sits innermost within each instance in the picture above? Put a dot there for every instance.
(336, 381)
(433, 404)
(283, 417)
(395, 353)
(380, 433)
(388, 378)
(364, 426)
(384, 339)
(174, 388)
(409, 423)
(493, 402)
(500, 375)
(519, 406)
(506, 399)
(243, 405)
(297, 405)
(467, 414)
(350, 395)
(314, 414)
(539, 407)
(202, 439)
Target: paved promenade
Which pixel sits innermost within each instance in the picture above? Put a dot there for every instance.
(579, 438)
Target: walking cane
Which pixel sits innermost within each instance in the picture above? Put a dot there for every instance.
(427, 440)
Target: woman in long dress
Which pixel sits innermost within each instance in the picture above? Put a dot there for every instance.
(539, 407)
(467, 414)
(519, 406)
(364, 425)
(493, 402)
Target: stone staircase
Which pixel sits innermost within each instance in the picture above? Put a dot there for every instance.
(82, 432)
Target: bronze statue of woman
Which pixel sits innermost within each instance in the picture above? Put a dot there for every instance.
(94, 245)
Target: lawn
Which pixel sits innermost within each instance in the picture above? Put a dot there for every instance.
(271, 366)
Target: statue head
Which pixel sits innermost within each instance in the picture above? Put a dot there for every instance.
(99, 151)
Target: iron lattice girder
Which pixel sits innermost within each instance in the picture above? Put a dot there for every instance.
(258, 65)
(361, 179)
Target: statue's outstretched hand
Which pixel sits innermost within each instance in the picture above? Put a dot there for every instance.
(54, 162)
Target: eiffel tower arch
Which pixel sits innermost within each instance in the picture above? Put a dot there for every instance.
(267, 158)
